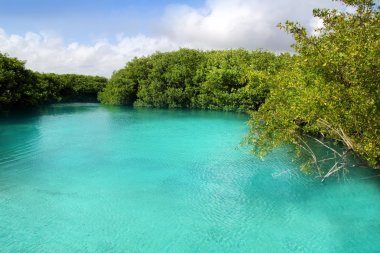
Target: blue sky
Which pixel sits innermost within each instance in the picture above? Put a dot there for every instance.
(85, 20)
(100, 36)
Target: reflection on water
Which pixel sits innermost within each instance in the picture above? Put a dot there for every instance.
(92, 178)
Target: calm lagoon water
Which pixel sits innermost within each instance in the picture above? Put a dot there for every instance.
(90, 178)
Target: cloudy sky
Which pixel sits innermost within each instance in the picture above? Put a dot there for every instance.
(99, 36)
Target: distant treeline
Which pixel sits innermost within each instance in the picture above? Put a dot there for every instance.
(230, 80)
(21, 87)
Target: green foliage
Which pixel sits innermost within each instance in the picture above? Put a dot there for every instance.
(17, 84)
(72, 87)
(122, 87)
(231, 80)
(23, 87)
(169, 81)
(225, 80)
(331, 91)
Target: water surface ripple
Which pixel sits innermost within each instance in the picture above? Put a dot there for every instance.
(91, 178)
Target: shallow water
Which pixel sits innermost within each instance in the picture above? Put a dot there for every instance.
(90, 178)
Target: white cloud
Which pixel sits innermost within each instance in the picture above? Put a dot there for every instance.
(219, 24)
(248, 24)
(315, 24)
(46, 53)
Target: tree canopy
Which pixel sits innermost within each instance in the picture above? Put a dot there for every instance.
(22, 87)
(330, 93)
(231, 80)
(17, 84)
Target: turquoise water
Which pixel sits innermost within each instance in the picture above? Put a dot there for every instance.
(90, 178)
